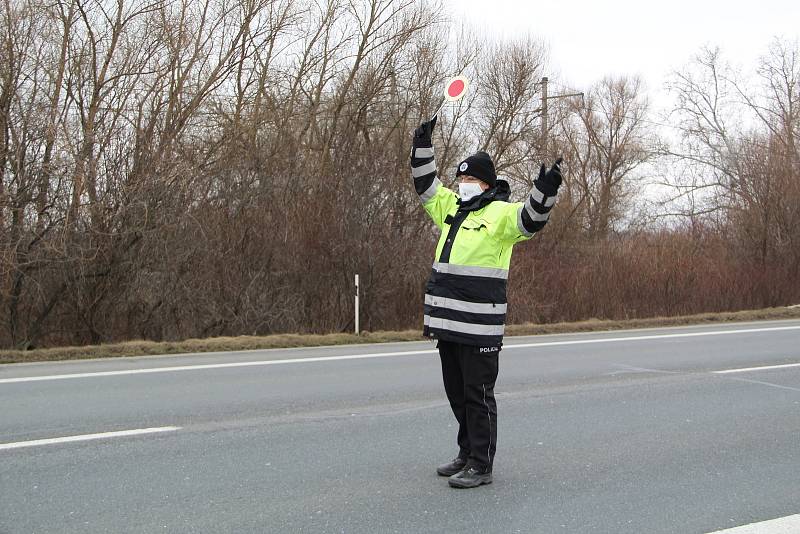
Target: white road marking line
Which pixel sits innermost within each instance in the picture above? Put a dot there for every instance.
(763, 368)
(783, 525)
(654, 336)
(87, 437)
(213, 366)
(764, 383)
(384, 355)
(632, 369)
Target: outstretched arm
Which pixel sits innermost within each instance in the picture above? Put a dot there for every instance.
(519, 221)
(535, 212)
(437, 200)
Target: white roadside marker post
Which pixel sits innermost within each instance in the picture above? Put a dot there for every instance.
(356, 304)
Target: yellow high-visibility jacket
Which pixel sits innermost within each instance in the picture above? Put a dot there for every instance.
(465, 297)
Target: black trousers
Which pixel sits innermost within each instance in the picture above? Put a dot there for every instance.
(469, 375)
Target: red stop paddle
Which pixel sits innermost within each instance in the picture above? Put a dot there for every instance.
(454, 90)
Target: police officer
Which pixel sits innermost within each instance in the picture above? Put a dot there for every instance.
(465, 297)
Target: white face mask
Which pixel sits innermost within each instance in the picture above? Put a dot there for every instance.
(468, 190)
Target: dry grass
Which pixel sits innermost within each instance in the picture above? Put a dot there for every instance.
(225, 344)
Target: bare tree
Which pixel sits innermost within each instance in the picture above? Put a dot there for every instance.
(743, 138)
(605, 140)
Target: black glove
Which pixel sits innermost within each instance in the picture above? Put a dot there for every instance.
(423, 133)
(550, 181)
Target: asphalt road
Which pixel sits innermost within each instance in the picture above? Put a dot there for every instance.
(616, 432)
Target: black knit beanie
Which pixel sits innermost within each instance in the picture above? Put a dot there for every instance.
(479, 165)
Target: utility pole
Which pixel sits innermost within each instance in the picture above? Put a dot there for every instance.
(544, 116)
(543, 109)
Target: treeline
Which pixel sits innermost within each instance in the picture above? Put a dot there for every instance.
(188, 169)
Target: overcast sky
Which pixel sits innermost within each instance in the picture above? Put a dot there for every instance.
(591, 39)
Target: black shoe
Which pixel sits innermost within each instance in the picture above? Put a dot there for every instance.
(470, 477)
(451, 468)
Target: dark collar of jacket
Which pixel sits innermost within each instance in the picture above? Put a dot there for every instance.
(501, 191)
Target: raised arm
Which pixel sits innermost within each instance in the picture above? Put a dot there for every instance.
(437, 200)
(521, 220)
